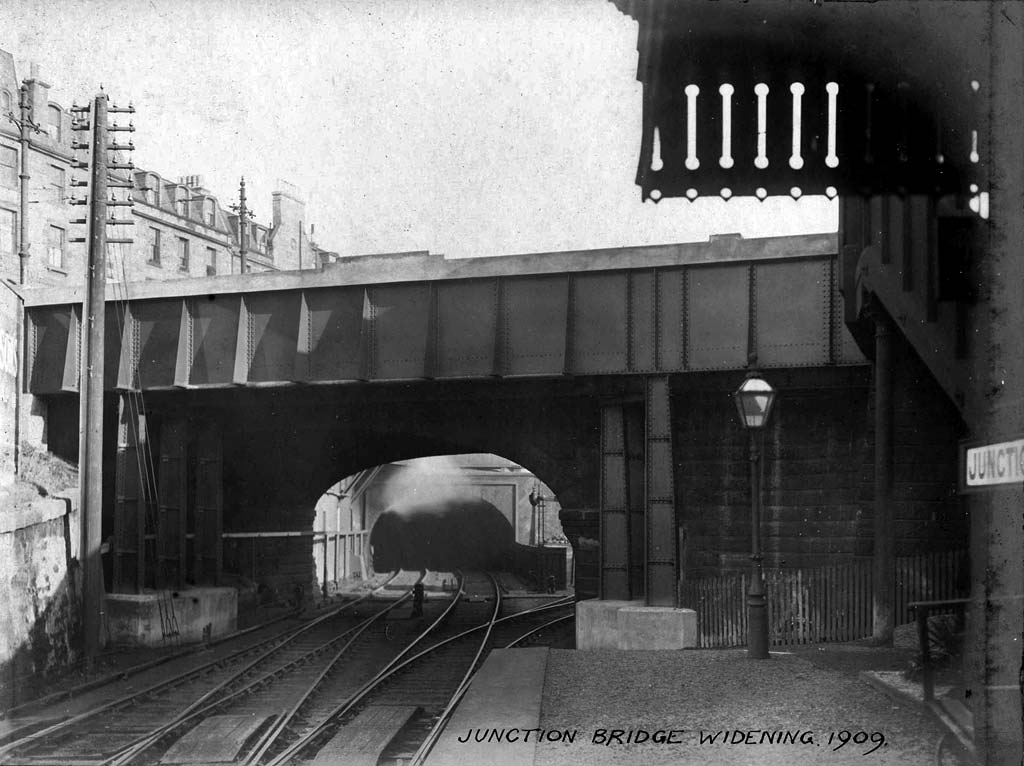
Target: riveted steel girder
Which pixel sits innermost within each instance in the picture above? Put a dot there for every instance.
(679, 314)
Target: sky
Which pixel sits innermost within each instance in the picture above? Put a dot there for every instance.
(464, 127)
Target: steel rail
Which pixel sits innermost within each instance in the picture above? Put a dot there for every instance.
(279, 726)
(40, 703)
(435, 731)
(439, 726)
(538, 629)
(279, 639)
(442, 722)
(386, 672)
(127, 754)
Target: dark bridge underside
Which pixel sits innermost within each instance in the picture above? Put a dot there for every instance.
(619, 452)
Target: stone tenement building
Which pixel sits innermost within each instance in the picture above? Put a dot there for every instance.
(181, 229)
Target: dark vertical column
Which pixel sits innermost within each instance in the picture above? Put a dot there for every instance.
(90, 454)
(634, 449)
(884, 528)
(662, 561)
(614, 511)
(130, 504)
(172, 510)
(209, 505)
(998, 403)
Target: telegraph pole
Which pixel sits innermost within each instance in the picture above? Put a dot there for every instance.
(90, 389)
(244, 214)
(25, 124)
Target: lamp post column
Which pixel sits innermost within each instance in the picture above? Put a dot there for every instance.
(757, 608)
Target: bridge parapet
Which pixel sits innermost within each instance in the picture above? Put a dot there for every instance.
(651, 310)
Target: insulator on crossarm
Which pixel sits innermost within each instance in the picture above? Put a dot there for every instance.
(121, 165)
(79, 164)
(79, 145)
(115, 147)
(115, 128)
(78, 201)
(114, 109)
(78, 182)
(80, 125)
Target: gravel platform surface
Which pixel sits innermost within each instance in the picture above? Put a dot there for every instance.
(807, 696)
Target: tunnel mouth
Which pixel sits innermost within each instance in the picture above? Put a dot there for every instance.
(441, 513)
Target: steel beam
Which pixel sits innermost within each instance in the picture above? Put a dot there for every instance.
(183, 354)
(130, 503)
(667, 319)
(207, 544)
(635, 449)
(172, 508)
(128, 355)
(72, 350)
(303, 342)
(214, 329)
(243, 345)
(662, 563)
(614, 512)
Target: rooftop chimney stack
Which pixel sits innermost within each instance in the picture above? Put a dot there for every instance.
(291, 243)
(38, 93)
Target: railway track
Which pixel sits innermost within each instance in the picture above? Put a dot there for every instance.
(420, 688)
(116, 731)
(297, 697)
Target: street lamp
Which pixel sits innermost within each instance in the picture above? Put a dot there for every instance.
(754, 400)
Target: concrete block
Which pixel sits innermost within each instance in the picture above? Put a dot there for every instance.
(656, 627)
(597, 623)
(136, 618)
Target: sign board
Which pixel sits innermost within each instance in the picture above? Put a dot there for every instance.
(989, 466)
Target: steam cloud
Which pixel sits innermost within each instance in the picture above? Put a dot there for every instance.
(426, 480)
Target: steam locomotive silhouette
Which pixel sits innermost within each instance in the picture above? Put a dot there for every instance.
(441, 535)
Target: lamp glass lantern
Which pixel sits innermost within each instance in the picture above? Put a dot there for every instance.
(754, 399)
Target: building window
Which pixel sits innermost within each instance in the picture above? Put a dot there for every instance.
(55, 248)
(154, 256)
(211, 212)
(8, 233)
(211, 262)
(57, 184)
(183, 252)
(53, 120)
(5, 101)
(9, 166)
(181, 204)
